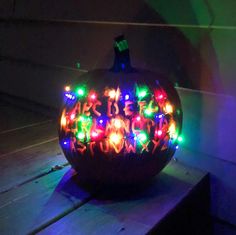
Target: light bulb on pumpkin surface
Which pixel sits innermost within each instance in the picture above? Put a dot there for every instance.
(112, 94)
(142, 137)
(159, 132)
(117, 123)
(126, 97)
(180, 138)
(168, 108)
(142, 94)
(148, 112)
(115, 138)
(93, 96)
(67, 88)
(172, 129)
(72, 116)
(81, 91)
(63, 121)
(81, 135)
(94, 134)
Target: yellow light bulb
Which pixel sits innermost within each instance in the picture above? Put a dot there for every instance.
(117, 123)
(169, 108)
(67, 88)
(115, 138)
(112, 94)
(63, 121)
(172, 129)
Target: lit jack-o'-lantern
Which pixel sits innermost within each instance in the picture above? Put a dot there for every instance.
(121, 125)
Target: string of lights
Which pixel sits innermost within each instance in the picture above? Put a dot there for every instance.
(114, 121)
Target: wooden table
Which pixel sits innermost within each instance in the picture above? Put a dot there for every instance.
(39, 192)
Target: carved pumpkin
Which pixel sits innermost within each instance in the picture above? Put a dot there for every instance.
(120, 125)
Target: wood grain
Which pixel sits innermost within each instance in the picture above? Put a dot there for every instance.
(39, 202)
(141, 211)
(13, 142)
(24, 165)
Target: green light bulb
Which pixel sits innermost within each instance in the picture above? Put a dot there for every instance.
(80, 92)
(142, 94)
(142, 137)
(80, 135)
(148, 112)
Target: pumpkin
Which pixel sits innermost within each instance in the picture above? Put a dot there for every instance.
(120, 125)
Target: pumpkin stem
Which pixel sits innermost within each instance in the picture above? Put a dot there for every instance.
(122, 58)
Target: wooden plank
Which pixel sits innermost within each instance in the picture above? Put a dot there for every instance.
(25, 165)
(19, 140)
(39, 202)
(13, 117)
(223, 174)
(140, 212)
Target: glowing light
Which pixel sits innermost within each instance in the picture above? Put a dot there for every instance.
(169, 108)
(112, 94)
(142, 94)
(126, 97)
(142, 137)
(160, 95)
(174, 136)
(115, 138)
(159, 132)
(93, 96)
(66, 143)
(81, 135)
(63, 121)
(180, 138)
(72, 116)
(132, 117)
(67, 88)
(117, 123)
(70, 96)
(81, 91)
(94, 134)
(172, 129)
(81, 118)
(148, 112)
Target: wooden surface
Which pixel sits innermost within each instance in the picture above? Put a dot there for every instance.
(40, 193)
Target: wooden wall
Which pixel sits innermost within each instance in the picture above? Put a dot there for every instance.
(192, 41)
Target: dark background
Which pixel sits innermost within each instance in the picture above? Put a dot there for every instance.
(46, 44)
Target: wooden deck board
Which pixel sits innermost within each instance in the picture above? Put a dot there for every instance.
(144, 210)
(38, 202)
(54, 203)
(12, 117)
(13, 141)
(24, 165)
